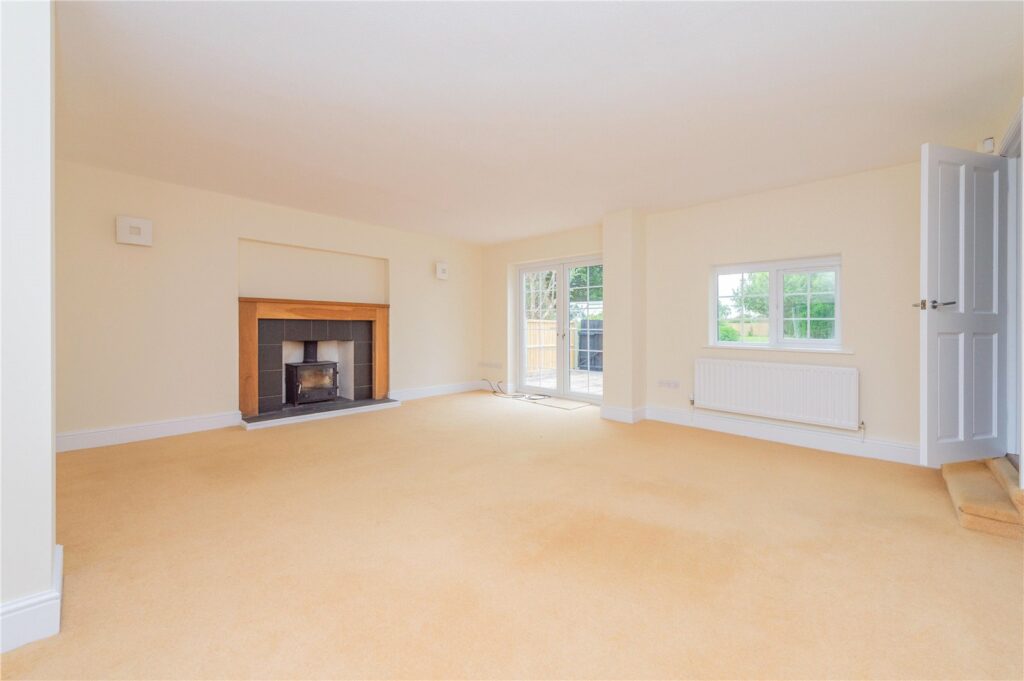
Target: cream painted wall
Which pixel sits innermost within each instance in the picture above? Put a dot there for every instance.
(871, 219)
(146, 334)
(282, 271)
(664, 259)
(499, 273)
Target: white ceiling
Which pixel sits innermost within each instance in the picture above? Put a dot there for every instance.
(493, 122)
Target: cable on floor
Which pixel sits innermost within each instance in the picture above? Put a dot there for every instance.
(498, 391)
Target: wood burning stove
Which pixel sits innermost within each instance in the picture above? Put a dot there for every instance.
(310, 380)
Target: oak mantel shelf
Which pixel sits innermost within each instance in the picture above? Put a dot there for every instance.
(330, 303)
(252, 310)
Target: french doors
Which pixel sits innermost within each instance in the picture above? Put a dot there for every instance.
(561, 329)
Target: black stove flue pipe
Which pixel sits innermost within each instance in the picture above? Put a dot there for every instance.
(309, 351)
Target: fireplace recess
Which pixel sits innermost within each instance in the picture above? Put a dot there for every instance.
(265, 324)
(310, 380)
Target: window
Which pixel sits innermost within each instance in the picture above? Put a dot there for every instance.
(743, 307)
(781, 304)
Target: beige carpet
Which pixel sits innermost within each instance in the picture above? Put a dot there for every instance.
(466, 536)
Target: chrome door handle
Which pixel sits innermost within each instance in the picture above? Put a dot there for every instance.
(934, 304)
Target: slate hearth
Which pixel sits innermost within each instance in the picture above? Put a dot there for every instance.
(288, 411)
(272, 334)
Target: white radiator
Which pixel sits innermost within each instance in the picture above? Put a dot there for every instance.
(826, 396)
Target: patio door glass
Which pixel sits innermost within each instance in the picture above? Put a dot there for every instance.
(561, 329)
(540, 329)
(585, 341)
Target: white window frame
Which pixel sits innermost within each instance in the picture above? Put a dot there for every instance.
(776, 269)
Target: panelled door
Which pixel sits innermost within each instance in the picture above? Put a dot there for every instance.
(561, 329)
(963, 305)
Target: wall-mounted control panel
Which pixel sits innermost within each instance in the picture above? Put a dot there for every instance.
(134, 231)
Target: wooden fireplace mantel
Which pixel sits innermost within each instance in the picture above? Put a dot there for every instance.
(252, 310)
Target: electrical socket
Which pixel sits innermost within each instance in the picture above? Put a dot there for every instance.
(491, 365)
(669, 383)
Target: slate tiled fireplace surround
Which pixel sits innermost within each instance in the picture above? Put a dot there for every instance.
(360, 331)
(273, 332)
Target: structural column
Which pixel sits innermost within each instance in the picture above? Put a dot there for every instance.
(30, 561)
(625, 312)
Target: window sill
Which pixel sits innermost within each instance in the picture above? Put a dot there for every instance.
(775, 348)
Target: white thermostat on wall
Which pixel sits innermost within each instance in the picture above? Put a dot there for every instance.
(441, 269)
(134, 231)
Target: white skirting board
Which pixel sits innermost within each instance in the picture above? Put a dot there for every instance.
(101, 437)
(436, 390)
(622, 414)
(34, 617)
(789, 434)
(841, 443)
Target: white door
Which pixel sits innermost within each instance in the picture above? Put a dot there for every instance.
(963, 305)
(561, 329)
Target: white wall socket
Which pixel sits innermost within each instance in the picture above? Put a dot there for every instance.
(134, 231)
(441, 269)
(670, 383)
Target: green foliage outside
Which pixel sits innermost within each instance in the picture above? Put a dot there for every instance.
(586, 276)
(727, 333)
(586, 293)
(808, 304)
(743, 313)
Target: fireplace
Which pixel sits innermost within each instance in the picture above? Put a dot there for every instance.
(310, 380)
(344, 355)
(353, 339)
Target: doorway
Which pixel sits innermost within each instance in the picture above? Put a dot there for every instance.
(561, 329)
